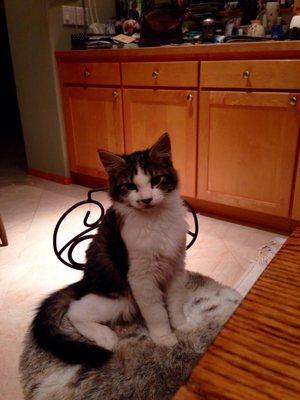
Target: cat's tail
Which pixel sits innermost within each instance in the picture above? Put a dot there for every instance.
(49, 334)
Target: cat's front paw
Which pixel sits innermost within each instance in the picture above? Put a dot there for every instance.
(165, 340)
(185, 327)
(106, 338)
(180, 323)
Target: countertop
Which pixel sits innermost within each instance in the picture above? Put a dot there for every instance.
(224, 51)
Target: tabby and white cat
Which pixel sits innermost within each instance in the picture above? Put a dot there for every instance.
(135, 263)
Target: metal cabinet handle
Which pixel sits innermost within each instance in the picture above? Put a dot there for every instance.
(189, 97)
(154, 74)
(115, 94)
(293, 101)
(246, 74)
(86, 73)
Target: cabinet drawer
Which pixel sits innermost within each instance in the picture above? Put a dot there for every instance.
(90, 73)
(257, 74)
(177, 74)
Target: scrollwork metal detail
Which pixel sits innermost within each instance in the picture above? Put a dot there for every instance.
(85, 234)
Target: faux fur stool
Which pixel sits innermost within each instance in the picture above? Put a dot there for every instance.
(138, 370)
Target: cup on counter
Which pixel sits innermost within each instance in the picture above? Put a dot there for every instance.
(294, 30)
(295, 21)
(256, 28)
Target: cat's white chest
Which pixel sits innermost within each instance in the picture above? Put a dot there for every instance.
(160, 236)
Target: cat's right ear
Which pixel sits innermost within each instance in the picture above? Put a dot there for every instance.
(161, 150)
(111, 162)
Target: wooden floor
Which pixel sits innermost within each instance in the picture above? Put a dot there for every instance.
(257, 354)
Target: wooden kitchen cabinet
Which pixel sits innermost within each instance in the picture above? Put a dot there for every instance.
(227, 108)
(93, 118)
(296, 201)
(149, 113)
(247, 149)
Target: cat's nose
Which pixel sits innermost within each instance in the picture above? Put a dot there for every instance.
(147, 201)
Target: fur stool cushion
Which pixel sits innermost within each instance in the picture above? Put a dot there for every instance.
(138, 369)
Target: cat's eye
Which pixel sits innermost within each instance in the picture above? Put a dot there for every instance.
(130, 186)
(156, 180)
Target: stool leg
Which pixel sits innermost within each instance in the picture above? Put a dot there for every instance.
(3, 236)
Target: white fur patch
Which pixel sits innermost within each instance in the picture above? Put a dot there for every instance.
(55, 384)
(100, 309)
(141, 179)
(159, 232)
(155, 241)
(87, 314)
(209, 301)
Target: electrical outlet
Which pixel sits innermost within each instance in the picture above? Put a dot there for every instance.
(80, 16)
(69, 15)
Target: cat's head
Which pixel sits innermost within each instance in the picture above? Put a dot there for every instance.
(142, 179)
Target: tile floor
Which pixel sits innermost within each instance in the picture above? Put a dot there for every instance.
(30, 208)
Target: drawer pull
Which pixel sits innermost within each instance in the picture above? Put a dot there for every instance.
(154, 74)
(115, 94)
(86, 73)
(189, 97)
(246, 74)
(293, 101)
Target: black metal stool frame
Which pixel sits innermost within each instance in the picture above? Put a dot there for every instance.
(84, 235)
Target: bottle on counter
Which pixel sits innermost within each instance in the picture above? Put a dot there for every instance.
(208, 29)
(272, 8)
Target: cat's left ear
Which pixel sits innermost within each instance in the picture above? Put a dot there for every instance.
(111, 162)
(162, 148)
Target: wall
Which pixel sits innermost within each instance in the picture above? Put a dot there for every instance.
(35, 32)
(36, 87)
(106, 9)
(59, 34)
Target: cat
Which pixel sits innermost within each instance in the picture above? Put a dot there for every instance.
(135, 264)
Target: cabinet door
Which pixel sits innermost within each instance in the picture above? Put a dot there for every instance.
(149, 113)
(93, 121)
(296, 202)
(247, 148)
